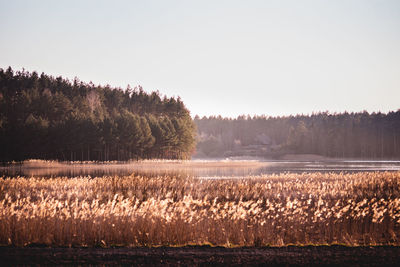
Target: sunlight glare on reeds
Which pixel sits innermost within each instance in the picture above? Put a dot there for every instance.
(275, 210)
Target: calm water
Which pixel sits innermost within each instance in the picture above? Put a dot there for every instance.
(206, 169)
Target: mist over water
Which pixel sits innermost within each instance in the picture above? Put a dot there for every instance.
(197, 168)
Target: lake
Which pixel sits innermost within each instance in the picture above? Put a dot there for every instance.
(195, 168)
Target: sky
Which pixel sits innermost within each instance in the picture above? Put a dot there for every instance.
(220, 57)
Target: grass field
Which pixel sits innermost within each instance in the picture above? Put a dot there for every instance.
(276, 210)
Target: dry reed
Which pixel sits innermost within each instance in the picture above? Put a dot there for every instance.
(275, 210)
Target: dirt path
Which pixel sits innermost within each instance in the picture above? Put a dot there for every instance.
(195, 256)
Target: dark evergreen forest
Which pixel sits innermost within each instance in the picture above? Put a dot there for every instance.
(44, 117)
(345, 135)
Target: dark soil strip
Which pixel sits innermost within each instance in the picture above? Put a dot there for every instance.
(203, 256)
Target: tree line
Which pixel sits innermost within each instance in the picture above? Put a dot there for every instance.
(339, 135)
(46, 117)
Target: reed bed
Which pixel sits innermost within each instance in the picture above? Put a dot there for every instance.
(275, 210)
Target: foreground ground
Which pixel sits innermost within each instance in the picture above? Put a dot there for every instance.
(195, 256)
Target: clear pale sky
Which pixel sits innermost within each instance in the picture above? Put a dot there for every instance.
(221, 57)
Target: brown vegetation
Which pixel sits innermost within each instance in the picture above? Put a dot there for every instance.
(276, 210)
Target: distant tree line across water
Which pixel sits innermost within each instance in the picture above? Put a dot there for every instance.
(343, 135)
(44, 117)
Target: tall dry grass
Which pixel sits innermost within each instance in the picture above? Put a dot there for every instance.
(310, 208)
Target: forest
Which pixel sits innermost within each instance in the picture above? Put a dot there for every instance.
(339, 135)
(46, 117)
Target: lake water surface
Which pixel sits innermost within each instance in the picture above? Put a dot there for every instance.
(196, 168)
